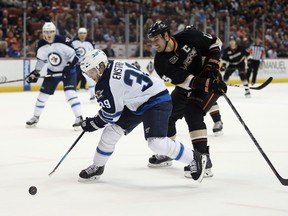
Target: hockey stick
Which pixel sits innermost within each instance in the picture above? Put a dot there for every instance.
(282, 180)
(3, 79)
(67, 153)
(263, 85)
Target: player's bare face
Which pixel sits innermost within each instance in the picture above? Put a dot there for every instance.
(158, 42)
(49, 36)
(82, 36)
(93, 73)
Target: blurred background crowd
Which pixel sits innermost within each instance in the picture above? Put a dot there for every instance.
(21, 22)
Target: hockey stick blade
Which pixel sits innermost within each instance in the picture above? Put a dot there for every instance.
(76, 141)
(261, 86)
(282, 180)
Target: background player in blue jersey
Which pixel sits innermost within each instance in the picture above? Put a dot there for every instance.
(82, 45)
(128, 97)
(58, 53)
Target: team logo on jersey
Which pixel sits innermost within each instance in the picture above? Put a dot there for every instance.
(81, 51)
(99, 94)
(150, 67)
(173, 59)
(189, 58)
(54, 59)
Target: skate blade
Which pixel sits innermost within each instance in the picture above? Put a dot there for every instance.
(163, 164)
(31, 126)
(90, 180)
(207, 174)
(204, 162)
(218, 133)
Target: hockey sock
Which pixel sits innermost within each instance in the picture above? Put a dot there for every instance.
(173, 149)
(40, 103)
(74, 102)
(215, 113)
(110, 136)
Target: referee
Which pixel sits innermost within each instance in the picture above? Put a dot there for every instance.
(257, 54)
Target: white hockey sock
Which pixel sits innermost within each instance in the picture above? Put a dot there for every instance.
(173, 149)
(73, 100)
(110, 136)
(40, 103)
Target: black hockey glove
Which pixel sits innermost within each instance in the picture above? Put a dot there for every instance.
(89, 125)
(66, 70)
(211, 69)
(33, 77)
(216, 85)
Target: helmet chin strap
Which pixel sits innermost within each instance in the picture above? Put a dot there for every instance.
(166, 43)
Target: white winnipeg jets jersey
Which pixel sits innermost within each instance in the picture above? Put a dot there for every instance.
(122, 84)
(56, 54)
(82, 47)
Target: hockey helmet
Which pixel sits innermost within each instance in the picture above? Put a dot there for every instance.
(49, 31)
(93, 59)
(82, 30)
(157, 28)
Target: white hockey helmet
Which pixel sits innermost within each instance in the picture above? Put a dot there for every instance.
(82, 30)
(93, 59)
(49, 31)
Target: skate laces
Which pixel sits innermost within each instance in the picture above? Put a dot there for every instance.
(91, 169)
(160, 157)
(34, 119)
(193, 166)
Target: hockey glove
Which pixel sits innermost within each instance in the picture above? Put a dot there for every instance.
(33, 77)
(89, 125)
(218, 86)
(211, 69)
(66, 70)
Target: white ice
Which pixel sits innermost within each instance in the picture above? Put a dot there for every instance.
(243, 182)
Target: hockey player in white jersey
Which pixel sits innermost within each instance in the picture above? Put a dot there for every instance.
(127, 97)
(58, 53)
(82, 45)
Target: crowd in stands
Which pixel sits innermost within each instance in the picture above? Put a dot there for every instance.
(108, 20)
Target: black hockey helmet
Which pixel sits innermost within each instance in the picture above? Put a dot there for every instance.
(158, 27)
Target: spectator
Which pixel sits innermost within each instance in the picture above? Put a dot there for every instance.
(109, 50)
(272, 52)
(3, 49)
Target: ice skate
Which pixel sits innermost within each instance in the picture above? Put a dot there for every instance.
(247, 94)
(207, 172)
(92, 99)
(77, 124)
(91, 173)
(217, 128)
(159, 161)
(196, 170)
(32, 122)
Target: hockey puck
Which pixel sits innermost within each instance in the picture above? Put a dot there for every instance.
(32, 190)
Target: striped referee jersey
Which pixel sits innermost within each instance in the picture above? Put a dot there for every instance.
(257, 52)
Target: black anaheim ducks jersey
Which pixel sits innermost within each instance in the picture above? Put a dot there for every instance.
(235, 56)
(192, 50)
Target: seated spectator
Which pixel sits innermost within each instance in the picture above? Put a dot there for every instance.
(13, 51)
(3, 49)
(109, 36)
(109, 50)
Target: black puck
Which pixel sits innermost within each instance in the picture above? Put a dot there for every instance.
(32, 190)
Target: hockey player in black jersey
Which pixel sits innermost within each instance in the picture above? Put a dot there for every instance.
(189, 60)
(234, 56)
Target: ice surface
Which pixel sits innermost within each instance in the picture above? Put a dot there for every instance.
(243, 183)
